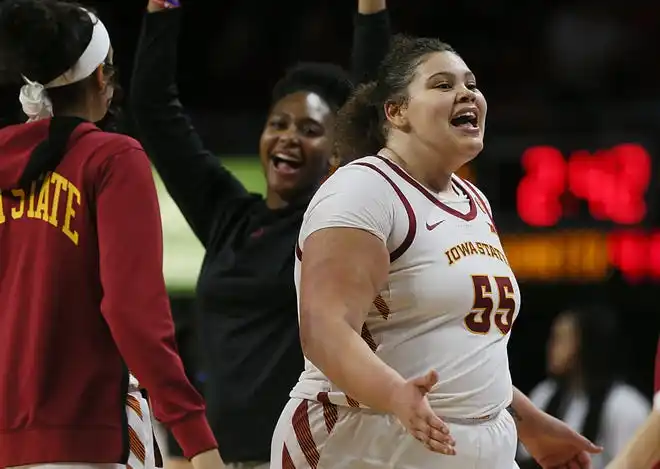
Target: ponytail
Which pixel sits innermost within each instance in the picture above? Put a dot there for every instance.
(359, 127)
(49, 153)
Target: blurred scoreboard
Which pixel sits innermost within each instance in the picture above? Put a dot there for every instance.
(575, 209)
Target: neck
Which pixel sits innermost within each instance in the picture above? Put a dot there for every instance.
(274, 201)
(80, 112)
(82, 108)
(421, 162)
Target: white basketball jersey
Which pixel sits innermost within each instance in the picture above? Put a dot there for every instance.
(451, 297)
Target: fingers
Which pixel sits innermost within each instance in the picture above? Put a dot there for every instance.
(581, 461)
(433, 433)
(427, 381)
(588, 446)
(573, 465)
(584, 460)
(436, 441)
(436, 424)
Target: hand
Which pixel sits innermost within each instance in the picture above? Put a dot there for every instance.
(368, 7)
(412, 408)
(554, 445)
(158, 5)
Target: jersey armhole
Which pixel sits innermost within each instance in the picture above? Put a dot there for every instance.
(481, 202)
(410, 213)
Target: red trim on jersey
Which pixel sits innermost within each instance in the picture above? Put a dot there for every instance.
(412, 220)
(425, 192)
(303, 431)
(480, 200)
(298, 251)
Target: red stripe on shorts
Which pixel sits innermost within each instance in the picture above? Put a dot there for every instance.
(330, 412)
(304, 436)
(287, 462)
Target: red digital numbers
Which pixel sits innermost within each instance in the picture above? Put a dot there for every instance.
(613, 182)
(635, 254)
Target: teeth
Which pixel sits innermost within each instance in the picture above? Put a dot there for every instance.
(469, 114)
(286, 158)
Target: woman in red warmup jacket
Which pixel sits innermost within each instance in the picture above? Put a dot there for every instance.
(82, 294)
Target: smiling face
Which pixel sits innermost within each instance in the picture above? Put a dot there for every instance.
(295, 146)
(444, 109)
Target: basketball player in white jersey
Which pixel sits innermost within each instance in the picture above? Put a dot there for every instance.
(406, 296)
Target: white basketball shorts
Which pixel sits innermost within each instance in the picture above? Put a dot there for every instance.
(315, 435)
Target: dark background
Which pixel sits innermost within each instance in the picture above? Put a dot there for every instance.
(575, 74)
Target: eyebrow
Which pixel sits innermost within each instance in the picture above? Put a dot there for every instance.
(468, 75)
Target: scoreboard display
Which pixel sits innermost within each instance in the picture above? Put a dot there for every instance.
(569, 209)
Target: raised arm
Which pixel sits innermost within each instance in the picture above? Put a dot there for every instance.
(350, 219)
(371, 39)
(192, 175)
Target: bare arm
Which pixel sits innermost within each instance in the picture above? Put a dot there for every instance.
(524, 413)
(643, 450)
(343, 270)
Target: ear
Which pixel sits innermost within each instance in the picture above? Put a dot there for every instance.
(397, 115)
(99, 79)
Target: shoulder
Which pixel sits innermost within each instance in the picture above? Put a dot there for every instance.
(108, 143)
(362, 182)
(106, 149)
(355, 196)
(110, 156)
(369, 170)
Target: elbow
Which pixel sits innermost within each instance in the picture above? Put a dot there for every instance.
(320, 331)
(315, 328)
(306, 332)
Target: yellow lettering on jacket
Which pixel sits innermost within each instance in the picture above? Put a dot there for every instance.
(42, 203)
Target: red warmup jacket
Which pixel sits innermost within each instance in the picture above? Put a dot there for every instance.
(657, 374)
(82, 300)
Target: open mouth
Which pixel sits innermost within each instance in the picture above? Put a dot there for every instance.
(465, 120)
(286, 162)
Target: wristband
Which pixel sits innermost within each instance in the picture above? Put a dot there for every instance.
(167, 4)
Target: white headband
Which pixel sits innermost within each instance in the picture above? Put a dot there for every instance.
(33, 95)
